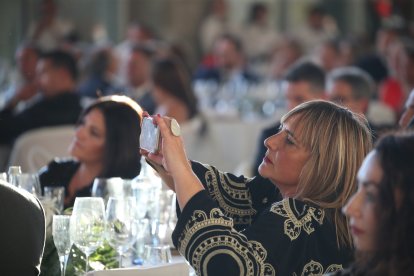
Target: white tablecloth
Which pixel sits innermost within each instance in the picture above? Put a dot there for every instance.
(178, 267)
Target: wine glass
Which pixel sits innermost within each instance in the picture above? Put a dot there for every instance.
(111, 187)
(29, 182)
(12, 172)
(87, 225)
(3, 176)
(121, 224)
(57, 196)
(61, 238)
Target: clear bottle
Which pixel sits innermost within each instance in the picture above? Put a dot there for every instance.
(12, 173)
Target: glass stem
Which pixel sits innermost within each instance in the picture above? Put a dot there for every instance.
(87, 262)
(62, 265)
(120, 259)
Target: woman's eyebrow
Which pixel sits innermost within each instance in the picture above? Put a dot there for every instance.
(290, 133)
(368, 183)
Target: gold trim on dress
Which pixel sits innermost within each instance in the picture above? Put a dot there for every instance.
(294, 223)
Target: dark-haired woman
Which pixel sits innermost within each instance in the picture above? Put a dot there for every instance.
(174, 97)
(381, 212)
(106, 136)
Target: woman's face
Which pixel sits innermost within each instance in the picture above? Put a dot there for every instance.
(89, 141)
(361, 208)
(285, 157)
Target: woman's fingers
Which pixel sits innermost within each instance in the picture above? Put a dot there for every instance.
(162, 125)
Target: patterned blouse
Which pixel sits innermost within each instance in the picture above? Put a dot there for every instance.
(241, 226)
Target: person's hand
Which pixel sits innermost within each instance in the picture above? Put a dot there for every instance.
(175, 161)
(27, 91)
(172, 158)
(171, 154)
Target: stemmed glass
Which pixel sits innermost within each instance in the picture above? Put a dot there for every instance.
(121, 224)
(107, 187)
(3, 176)
(61, 238)
(29, 182)
(87, 225)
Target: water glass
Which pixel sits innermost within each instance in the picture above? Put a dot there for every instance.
(111, 187)
(12, 172)
(61, 238)
(29, 182)
(121, 224)
(157, 254)
(87, 225)
(56, 195)
(3, 176)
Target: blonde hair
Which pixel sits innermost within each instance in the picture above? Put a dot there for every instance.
(338, 141)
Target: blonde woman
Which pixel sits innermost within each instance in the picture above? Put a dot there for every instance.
(231, 225)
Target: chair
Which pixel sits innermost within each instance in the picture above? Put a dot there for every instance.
(36, 148)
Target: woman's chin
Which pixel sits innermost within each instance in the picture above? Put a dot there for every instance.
(262, 170)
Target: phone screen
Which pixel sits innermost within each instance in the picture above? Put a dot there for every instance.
(150, 136)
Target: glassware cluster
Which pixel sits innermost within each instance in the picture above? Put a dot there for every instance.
(137, 221)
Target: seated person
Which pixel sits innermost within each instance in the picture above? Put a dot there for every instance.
(22, 232)
(138, 76)
(381, 212)
(406, 119)
(354, 88)
(229, 63)
(232, 225)
(105, 145)
(58, 104)
(174, 97)
(100, 70)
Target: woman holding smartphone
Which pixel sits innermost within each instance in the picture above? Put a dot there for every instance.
(232, 225)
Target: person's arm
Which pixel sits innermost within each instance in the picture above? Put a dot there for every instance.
(173, 159)
(238, 197)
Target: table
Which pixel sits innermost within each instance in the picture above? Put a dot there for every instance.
(178, 267)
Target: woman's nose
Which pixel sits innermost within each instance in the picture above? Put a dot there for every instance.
(353, 207)
(272, 141)
(79, 133)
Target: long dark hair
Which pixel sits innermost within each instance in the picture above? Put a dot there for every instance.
(394, 254)
(171, 75)
(122, 118)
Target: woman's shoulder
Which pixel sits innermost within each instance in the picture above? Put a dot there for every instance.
(63, 163)
(59, 165)
(299, 213)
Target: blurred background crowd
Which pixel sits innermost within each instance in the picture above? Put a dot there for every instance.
(203, 62)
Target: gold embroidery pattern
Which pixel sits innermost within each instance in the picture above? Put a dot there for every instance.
(314, 268)
(294, 224)
(235, 200)
(250, 256)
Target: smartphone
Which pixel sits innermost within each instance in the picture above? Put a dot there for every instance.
(149, 139)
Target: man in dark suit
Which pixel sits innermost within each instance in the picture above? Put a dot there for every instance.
(57, 102)
(304, 81)
(22, 233)
(229, 63)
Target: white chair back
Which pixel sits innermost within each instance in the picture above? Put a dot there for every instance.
(36, 148)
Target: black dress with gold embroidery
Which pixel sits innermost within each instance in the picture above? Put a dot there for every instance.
(240, 226)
